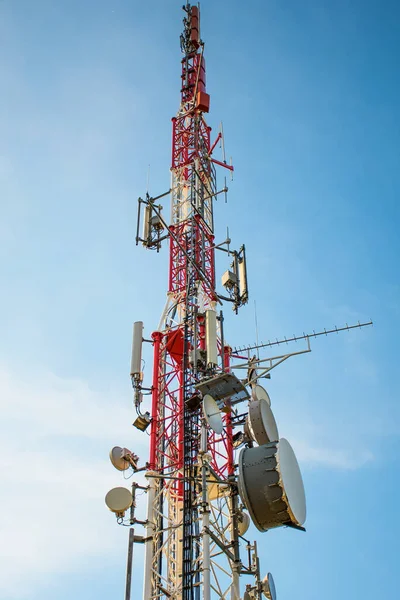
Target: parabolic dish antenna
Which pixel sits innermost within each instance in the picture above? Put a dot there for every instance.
(269, 589)
(244, 522)
(116, 459)
(260, 393)
(118, 500)
(261, 422)
(271, 486)
(212, 414)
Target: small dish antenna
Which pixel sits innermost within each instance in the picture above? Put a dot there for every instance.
(244, 522)
(118, 500)
(120, 458)
(260, 393)
(212, 414)
(268, 587)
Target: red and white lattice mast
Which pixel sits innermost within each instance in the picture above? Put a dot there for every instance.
(187, 347)
(198, 491)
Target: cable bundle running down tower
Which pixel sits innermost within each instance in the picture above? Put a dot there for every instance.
(200, 502)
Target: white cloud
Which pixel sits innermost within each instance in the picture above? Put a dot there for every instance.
(53, 513)
(322, 439)
(49, 405)
(311, 454)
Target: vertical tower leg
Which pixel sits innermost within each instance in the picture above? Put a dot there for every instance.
(149, 545)
(206, 516)
(235, 588)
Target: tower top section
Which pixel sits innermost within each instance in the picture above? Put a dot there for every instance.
(190, 38)
(193, 90)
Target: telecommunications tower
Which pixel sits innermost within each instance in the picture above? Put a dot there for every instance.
(216, 461)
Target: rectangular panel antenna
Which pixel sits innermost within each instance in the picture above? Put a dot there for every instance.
(137, 342)
(243, 288)
(211, 337)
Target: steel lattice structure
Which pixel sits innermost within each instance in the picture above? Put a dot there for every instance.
(178, 510)
(196, 495)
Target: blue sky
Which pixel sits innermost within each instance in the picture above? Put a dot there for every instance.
(309, 95)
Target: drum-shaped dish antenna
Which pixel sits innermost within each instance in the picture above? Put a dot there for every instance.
(118, 500)
(261, 422)
(270, 485)
(212, 414)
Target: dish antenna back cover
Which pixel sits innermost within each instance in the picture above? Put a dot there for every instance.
(212, 414)
(270, 485)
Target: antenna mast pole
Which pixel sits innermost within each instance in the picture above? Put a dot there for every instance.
(182, 449)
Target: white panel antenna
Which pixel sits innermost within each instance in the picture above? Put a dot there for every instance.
(243, 287)
(137, 343)
(146, 223)
(211, 337)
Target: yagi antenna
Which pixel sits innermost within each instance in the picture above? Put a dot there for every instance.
(305, 336)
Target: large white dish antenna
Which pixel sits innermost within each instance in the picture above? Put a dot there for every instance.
(212, 414)
(260, 393)
(117, 459)
(119, 499)
(261, 422)
(269, 589)
(270, 485)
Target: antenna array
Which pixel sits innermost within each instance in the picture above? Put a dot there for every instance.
(201, 496)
